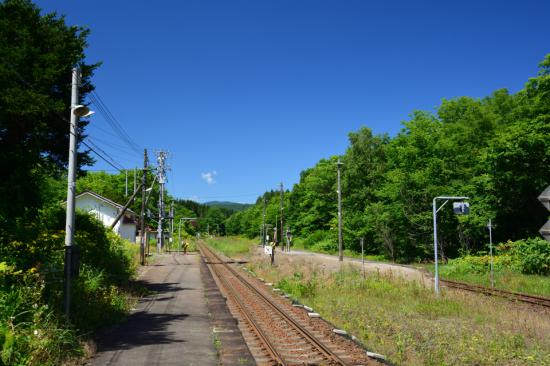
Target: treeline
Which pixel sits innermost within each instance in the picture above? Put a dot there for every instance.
(495, 150)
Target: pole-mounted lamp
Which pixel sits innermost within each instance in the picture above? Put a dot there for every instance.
(77, 111)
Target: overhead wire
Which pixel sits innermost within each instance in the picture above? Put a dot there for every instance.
(104, 110)
(63, 118)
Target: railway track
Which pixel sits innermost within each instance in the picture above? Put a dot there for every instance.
(281, 334)
(514, 296)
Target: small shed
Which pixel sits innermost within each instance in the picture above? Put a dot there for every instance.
(106, 211)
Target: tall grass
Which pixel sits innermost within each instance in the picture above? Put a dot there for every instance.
(231, 245)
(407, 323)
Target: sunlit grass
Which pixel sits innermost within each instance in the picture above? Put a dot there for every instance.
(406, 322)
(231, 245)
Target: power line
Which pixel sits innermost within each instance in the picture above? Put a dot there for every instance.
(63, 118)
(101, 156)
(113, 122)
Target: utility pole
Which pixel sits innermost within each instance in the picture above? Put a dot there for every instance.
(135, 179)
(162, 180)
(264, 232)
(171, 224)
(76, 112)
(126, 186)
(142, 216)
(281, 208)
(340, 245)
(490, 227)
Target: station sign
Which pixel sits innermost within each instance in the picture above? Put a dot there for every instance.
(544, 198)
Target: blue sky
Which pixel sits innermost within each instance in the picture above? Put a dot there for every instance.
(246, 94)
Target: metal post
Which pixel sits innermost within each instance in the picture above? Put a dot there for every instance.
(143, 241)
(281, 209)
(490, 226)
(71, 188)
(436, 281)
(171, 224)
(340, 245)
(363, 256)
(434, 214)
(179, 234)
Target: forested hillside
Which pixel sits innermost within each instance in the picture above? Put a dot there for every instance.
(495, 150)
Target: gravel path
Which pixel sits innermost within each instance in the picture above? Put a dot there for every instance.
(331, 263)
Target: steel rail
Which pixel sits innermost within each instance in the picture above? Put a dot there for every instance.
(327, 353)
(510, 295)
(232, 292)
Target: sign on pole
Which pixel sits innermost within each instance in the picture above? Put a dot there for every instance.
(544, 198)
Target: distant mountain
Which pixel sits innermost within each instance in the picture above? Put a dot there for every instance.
(228, 205)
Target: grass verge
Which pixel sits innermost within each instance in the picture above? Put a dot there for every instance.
(231, 246)
(404, 321)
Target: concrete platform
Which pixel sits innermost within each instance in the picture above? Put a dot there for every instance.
(170, 327)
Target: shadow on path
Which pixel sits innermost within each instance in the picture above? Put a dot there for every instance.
(141, 329)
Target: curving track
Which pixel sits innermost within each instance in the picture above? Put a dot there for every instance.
(282, 335)
(514, 296)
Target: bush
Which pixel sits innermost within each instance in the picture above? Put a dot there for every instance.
(323, 241)
(529, 256)
(30, 331)
(33, 331)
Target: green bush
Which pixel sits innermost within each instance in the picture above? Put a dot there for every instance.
(33, 330)
(529, 256)
(323, 241)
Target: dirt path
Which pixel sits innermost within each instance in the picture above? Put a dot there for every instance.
(330, 263)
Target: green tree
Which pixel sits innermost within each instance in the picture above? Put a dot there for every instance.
(37, 53)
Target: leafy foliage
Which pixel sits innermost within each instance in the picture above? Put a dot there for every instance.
(37, 53)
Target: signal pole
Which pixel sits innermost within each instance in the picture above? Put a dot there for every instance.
(281, 208)
(340, 246)
(162, 180)
(143, 198)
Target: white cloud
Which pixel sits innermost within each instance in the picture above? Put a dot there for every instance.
(194, 198)
(209, 177)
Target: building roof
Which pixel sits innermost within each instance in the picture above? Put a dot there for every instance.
(106, 200)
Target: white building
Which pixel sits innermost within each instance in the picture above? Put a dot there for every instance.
(107, 211)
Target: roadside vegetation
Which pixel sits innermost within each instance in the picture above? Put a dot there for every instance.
(33, 328)
(520, 266)
(405, 321)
